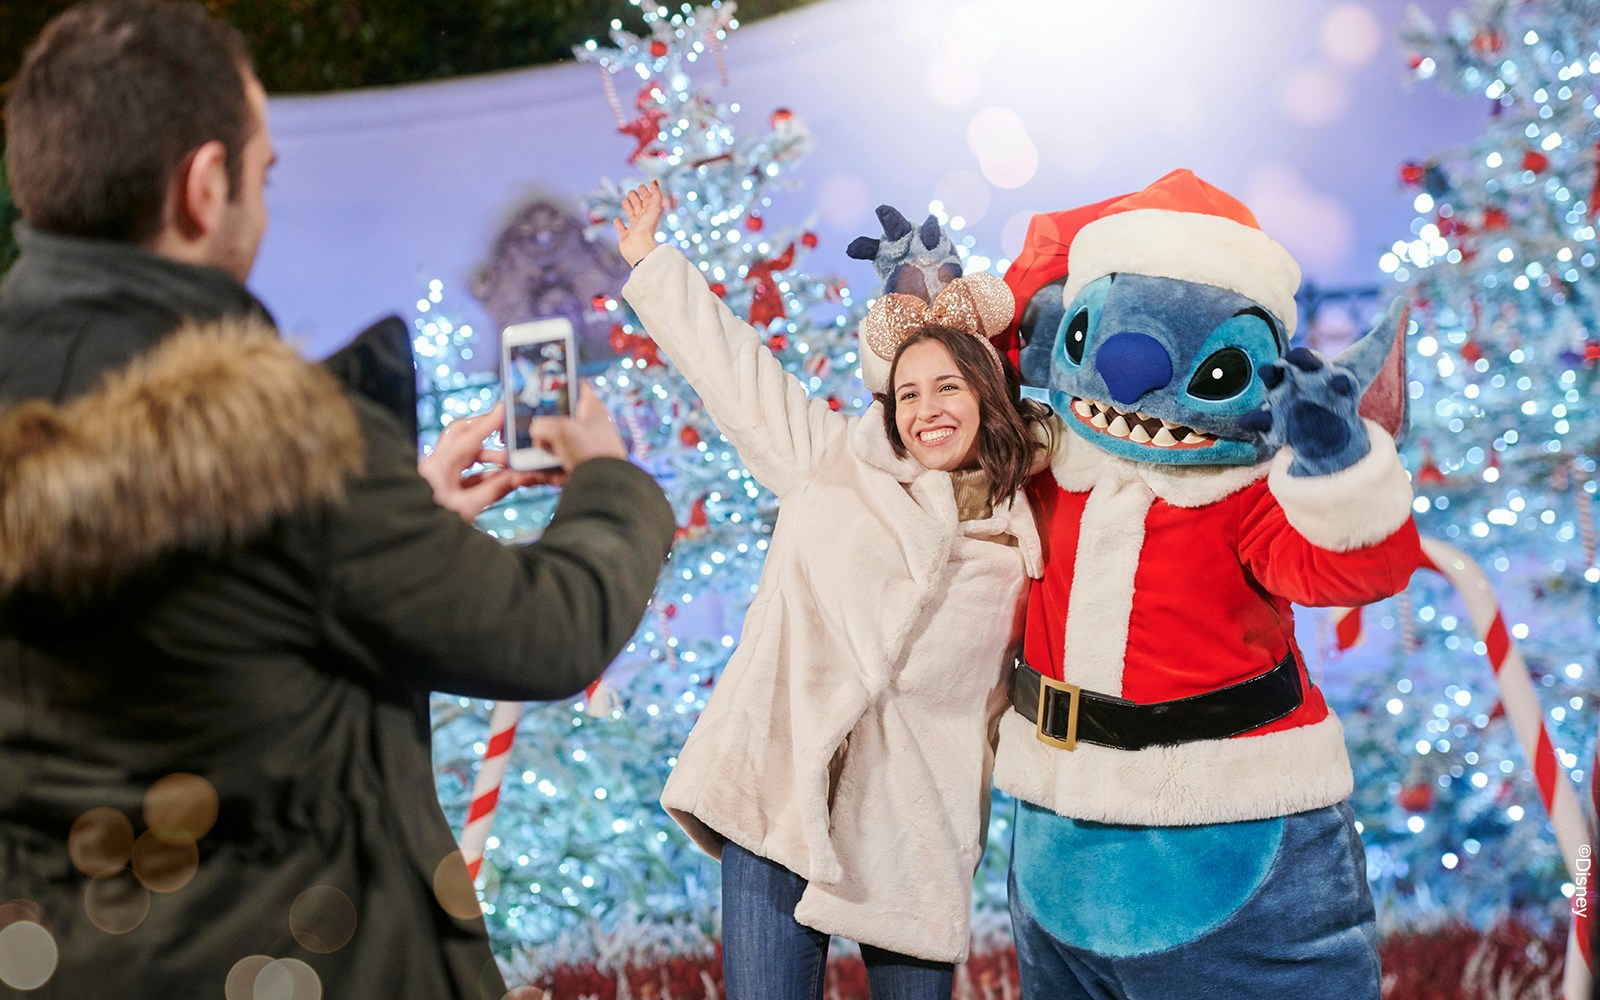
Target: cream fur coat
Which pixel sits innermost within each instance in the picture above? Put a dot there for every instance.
(882, 633)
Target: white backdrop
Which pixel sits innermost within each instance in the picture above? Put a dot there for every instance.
(1001, 108)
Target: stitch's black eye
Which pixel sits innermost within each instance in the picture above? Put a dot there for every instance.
(1223, 375)
(1077, 336)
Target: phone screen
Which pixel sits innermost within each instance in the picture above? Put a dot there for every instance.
(538, 384)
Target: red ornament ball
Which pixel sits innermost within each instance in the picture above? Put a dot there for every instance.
(1411, 173)
(1535, 161)
(1471, 352)
(719, 289)
(1591, 351)
(599, 303)
(779, 116)
(809, 240)
(1495, 218)
(689, 436)
(1415, 60)
(834, 403)
(778, 342)
(1485, 42)
(754, 223)
(658, 48)
(1416, 798)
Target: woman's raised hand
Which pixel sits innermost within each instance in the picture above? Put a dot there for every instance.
(642, 206)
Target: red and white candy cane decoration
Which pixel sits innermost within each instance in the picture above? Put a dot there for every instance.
(1586, 523)
(599, 700)
(486, 786)
(1517, 695)
(611, 94)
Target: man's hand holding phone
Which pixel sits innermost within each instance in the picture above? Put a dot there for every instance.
(459, 448)
(588, 433)
(573, 440)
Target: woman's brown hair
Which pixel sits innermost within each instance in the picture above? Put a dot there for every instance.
(1006, 444)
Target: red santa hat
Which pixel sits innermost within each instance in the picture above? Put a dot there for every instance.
(1178, 227)
(1046, 250)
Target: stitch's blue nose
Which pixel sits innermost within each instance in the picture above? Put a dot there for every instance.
(1132, 364)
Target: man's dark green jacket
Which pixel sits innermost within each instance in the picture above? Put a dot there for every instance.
(218, 560)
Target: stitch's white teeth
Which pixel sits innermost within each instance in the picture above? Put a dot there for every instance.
(1134, 425)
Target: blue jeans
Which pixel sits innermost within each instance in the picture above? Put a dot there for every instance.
(1259, 910)
(769, 955)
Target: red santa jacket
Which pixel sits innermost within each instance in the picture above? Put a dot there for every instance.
(1163, 582)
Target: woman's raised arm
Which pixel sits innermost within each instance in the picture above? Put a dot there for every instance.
(778, 430)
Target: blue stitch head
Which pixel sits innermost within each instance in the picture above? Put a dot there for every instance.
(1147, 317)
(1162, 370)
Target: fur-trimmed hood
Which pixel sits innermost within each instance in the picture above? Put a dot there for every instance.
(196, 446)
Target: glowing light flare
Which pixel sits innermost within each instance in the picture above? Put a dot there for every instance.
(28, 955)
(966, 192)
(322, 919)
(1313, 95)
(1006, 153)
(117, 904)
(1350, 34)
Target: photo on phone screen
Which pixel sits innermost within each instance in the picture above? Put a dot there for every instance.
(537, 379)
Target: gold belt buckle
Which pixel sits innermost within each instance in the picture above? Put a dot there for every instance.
(1070, 741)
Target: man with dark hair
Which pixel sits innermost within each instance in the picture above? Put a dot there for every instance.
(225, 592)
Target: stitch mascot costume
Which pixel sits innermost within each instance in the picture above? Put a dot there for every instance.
(1182, 830)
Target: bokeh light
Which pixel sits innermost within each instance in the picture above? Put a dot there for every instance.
(452, 887)
(180, 808)
(322, 919)
(117, 903)
(28, 955)
(100, 842)
(1351, 34)
(1006, 153)
(1313, 95)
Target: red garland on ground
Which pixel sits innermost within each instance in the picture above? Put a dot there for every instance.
(1452, 963)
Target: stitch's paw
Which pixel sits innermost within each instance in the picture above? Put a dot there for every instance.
(1311, 409)
(912, 260)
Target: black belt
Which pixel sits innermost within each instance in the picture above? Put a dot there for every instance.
(1063, 714)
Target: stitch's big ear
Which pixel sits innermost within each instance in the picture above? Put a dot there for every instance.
(1036, 332)
(1378, 362)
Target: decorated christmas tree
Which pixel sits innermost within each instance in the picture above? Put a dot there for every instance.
(1500, 267)
(583, 865)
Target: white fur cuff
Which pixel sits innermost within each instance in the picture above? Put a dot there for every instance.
(1190, 246)
(1350, 509)
(1212, 781)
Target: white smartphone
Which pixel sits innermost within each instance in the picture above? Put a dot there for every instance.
(538, 375)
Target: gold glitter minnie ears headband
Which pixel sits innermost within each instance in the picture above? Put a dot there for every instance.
(979, 304)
